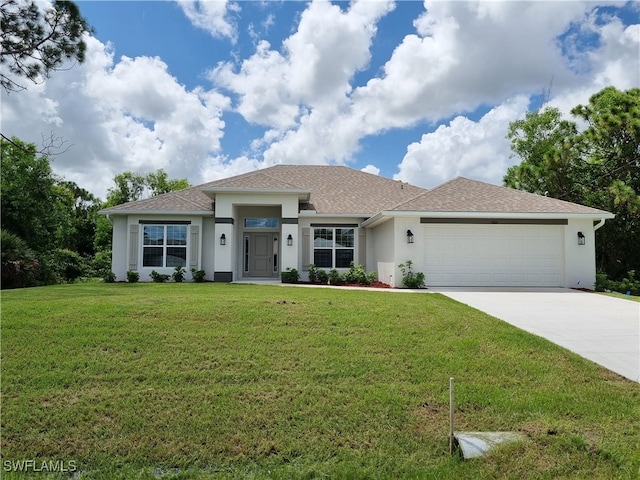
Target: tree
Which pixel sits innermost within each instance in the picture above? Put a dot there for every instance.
(130, 187)
(598, 167)
(32, 207)
(36, 43)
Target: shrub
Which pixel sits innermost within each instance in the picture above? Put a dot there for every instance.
(411, 279)
(178, 274)
(109, 277)
(317, 275)
(133, 276)
(197, 275)
(358, 275)
(334, 277)
(20, 267)
(67, 264)
(290, 275)
(159, 277)
(627, 284)
(101, 263)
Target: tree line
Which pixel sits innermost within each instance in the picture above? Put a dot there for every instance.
(51, 230)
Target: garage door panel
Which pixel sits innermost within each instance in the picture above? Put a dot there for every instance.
(494, 255)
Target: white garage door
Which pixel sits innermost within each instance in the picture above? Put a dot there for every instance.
(494, 255)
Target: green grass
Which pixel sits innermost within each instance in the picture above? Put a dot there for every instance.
(633, 298)
(245, 381)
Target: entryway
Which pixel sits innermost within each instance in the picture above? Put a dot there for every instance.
(261, 254)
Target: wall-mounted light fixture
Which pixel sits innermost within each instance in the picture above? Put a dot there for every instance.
(289, 240)
(223, 239)
(581, 238)
(409, 236)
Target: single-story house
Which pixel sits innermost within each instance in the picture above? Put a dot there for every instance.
(256, 225)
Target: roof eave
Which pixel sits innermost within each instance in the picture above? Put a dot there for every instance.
(383, 216)
(197, 213)
(303, 195)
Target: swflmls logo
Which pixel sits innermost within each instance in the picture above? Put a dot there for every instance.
(39, 466)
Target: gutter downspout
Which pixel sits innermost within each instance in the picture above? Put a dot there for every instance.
(599, 224)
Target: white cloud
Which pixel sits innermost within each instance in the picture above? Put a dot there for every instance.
(118, 116)
(477, 150)
(211, 16)
(315, 66)
(371, 169)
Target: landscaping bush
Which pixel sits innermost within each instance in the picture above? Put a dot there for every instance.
(178, 274)
(358, 275)
(109, 277)
(159, 277)
(197, 275)
(290, 275)
(411, 279)
(334, 277)
(133, 276)
(317, 275)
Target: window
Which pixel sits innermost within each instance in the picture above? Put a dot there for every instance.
(261, 223)
(333, 247)
(164, 246)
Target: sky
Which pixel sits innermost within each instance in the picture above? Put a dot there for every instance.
(421, 92)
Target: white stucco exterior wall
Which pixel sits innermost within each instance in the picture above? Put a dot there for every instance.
(580, 262)
(120, 245)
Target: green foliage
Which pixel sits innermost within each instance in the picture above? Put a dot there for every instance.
(598, 167)
(37, 42)
(178, 274)
(628, 284)
(101, 263)
(133, 276)
(159, 277)
(67, 264)
(411, 279)
(357, 275)
(334, 277)
(133, 186)
(317, 275)
(290, 275)
(198, 275)
(20, 267)
(108, 277)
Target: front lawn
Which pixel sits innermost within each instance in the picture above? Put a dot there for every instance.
(237, 381)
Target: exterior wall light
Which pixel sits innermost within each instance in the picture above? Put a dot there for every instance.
(581, 238)
(223, 239)
(289, 240)
(409, 236)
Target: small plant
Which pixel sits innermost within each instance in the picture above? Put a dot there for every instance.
(178, 274)
(317, 275)
(290, 275)
(109, 277)
(411, 279)
(133, 276)
(358, 275)
(159, 277)
(334, 277)
(197, 275)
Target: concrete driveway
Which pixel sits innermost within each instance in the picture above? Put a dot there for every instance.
(603, 329)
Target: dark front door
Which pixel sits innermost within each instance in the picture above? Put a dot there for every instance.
(263, 254)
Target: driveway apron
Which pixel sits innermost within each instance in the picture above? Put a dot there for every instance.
(605, 330)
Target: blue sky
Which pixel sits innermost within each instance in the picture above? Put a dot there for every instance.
(418, 91)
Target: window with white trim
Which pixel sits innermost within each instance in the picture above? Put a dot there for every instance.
(164, 246)
(333, 247)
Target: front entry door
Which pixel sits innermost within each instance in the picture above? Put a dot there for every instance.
(263, 254)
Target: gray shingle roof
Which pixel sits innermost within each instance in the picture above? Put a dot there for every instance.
(464, 195)
(342, 190)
